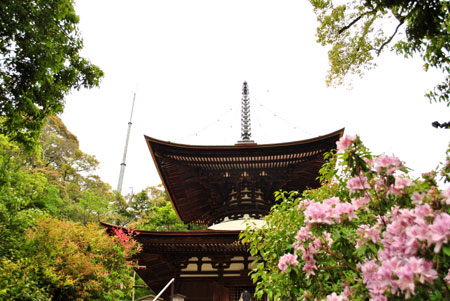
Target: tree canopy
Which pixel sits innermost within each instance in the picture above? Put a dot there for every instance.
(358, 31)
(40, 63)
(64, 260)
(51, 244)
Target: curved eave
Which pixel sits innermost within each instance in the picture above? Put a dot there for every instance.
(150, 140)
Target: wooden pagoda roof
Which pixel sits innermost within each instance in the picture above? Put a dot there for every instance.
(198, 178)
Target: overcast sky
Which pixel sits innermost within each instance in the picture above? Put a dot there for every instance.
(187, 60)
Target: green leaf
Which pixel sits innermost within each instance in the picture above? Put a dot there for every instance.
(361, 250)
(373, 248)
(446, 250)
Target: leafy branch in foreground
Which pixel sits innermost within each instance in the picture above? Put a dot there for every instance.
(358, 31)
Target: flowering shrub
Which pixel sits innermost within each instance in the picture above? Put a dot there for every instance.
(64, 260)
(129, 245)
(369, 232)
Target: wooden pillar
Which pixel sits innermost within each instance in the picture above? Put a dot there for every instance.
(220, 292)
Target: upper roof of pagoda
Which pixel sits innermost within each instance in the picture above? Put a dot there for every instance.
(198, 179)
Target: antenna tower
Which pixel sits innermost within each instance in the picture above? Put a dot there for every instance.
(123, 164)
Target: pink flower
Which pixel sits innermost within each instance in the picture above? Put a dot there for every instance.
(344, 143)
(423, 211)
(447, 278)
(303, 204)
(416, 233)
(345, 208)
(440, 231)
(335, 297)
(400, 270)
(303, 234)
(402, 183)
(318, 213)
(446, 195)
(331, 201)
(388, 164)
(369, 234)
(287, 260)
(417, 198)
(405, 280)
(327, 238)
(393, 190)
(369, 270)
(427, 274)
(360, 202)
(309, 267)
(357, 183)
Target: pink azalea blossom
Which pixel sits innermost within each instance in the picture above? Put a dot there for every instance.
(367, 233)
(399, 270)
(447, 278)
(327, 238)
(344, 143)
(388, 164)
(417, 198)
(423, 211)
(303, 204)
(357, 183)
(335, 297)
(446, 195)
(329, 212)
(345, 208)
(287, 260)
(319, 213)
(402, 183)
(303, 234)
(440, 231)
(361, 202)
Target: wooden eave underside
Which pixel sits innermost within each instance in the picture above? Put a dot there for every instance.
(196, 178)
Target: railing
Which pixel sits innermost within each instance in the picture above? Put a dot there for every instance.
(162, 291)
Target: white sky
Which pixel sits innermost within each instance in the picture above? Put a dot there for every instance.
(186, 60)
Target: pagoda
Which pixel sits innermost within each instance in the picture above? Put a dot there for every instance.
(222, 187)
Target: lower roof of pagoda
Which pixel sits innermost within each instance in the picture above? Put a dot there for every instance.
(165, 255)
(199, 179)
(192, 242)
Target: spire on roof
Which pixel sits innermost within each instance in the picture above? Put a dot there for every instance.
(246, 132)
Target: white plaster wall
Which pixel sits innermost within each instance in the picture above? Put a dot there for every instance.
(239, 224)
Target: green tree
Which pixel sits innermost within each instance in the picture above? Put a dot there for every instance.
(358, 31)
(64, 260)
(164, 219)
(119, 214)
(87, 197)
(25, 195)
(40, 63)
(152, 210)
(48, 182)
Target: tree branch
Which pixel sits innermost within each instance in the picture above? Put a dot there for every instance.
(445, 125)
(351, 24)
(390, 38)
